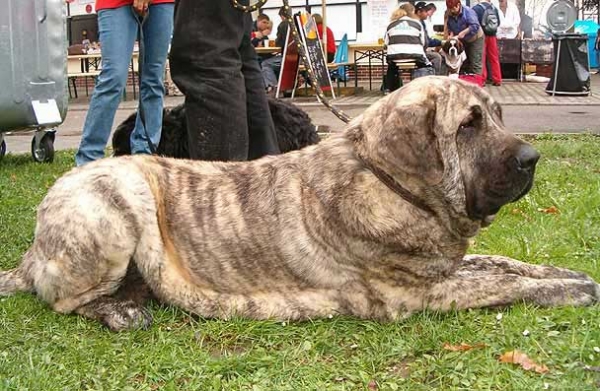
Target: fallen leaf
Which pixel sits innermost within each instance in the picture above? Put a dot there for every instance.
(373, 385)
(553, 210)
(520, 358)
(463, 347)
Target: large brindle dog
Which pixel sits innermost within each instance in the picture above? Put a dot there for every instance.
(373, 223)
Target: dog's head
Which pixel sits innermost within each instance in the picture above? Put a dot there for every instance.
(454, 55)
(453, 46)
(444, 140)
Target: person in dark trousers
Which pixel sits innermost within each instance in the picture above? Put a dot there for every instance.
(461, 22)
(215, 65)
(405, 40)
(490, 56)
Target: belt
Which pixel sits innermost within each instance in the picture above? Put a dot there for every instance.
(476, 36)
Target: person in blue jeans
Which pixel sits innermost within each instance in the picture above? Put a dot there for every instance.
(118, 30)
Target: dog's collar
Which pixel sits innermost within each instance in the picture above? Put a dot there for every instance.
(397, 188)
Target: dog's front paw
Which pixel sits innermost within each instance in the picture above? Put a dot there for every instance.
(559, 292)
(128, 316)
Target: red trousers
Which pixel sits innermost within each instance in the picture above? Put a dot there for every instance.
(490, 53)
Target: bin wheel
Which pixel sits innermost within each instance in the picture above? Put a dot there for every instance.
(44, 152)
(2, 149)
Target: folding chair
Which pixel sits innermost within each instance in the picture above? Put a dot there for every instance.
(341, 57)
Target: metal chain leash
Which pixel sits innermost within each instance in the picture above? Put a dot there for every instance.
(303, 56)
(248, 8)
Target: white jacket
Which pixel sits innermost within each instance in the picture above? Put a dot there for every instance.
(509, 22)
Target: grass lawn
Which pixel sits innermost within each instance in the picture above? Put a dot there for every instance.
(558, 223)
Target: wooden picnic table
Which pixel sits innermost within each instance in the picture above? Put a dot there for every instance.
(267, 50)
(90, 65)
(367, 52)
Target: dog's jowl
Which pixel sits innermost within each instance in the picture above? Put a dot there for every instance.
(373, 223)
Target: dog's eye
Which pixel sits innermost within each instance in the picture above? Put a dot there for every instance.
(473, 121)
(467, 124)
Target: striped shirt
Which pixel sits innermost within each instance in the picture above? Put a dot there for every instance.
(405, 39)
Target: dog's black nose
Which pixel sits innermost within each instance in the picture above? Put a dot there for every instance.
(527, 157)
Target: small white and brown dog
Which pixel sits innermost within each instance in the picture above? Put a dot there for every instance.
(454, 55)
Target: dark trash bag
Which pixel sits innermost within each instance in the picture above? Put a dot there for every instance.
(573, 76)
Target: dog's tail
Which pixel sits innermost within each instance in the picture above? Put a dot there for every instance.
(15, 280)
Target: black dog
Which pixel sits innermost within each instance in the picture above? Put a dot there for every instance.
(293, 127)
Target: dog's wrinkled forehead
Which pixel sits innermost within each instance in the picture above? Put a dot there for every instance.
(447, 102)
(451, 97)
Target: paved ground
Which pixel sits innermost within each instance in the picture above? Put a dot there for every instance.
(527, 109)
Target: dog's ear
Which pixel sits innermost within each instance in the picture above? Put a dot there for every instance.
(400, 138)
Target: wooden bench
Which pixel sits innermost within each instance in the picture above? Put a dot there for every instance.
(72, 76)
(89, 65)
(406, 66)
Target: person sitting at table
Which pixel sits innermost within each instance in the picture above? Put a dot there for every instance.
(261, 37)
(405, 40)
(431, 9)
(261, 22)
(85, 41)
(118, 25)
(462, 22)
(259, 26)
(330, 38)
(422, 12)
(272, 65)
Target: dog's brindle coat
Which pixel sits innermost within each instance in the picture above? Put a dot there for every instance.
(373, 223)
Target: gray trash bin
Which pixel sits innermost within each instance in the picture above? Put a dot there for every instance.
(33, 71)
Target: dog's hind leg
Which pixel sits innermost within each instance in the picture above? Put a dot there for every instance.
(108, 292)
(86, 236)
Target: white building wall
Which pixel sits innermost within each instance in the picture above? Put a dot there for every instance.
(78, 7)
(341, 16)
